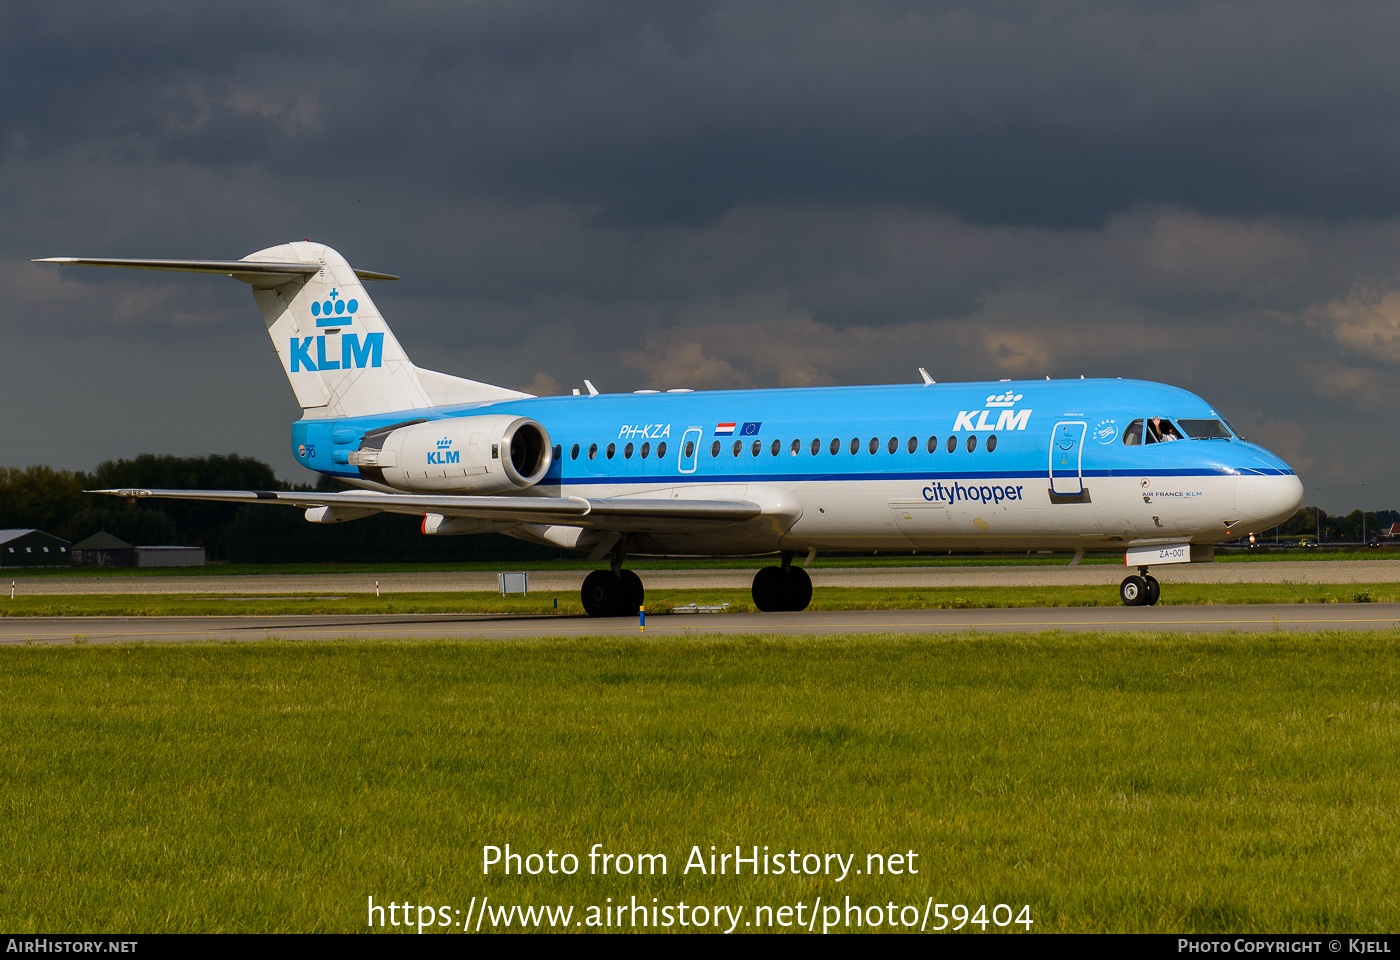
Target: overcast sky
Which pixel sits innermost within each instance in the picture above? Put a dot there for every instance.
(711, 195)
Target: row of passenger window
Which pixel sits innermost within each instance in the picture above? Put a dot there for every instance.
(776, 447)
(836, 445)
(611, 452)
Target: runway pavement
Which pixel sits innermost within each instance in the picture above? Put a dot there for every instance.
(561, 581)
(1188, 619)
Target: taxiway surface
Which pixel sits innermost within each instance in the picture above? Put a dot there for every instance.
(567, 581)
(1184, 619)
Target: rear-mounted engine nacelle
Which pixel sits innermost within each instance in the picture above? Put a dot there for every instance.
(481, 455)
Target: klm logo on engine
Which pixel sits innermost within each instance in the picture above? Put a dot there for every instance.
(355, 354)
(998, 405)
(444, 453)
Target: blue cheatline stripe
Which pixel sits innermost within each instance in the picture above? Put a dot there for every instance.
(919, 476)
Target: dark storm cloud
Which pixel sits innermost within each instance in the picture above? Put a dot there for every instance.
(709, 195)
(1044, 113)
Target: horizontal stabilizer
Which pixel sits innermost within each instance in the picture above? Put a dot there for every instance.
(339, 355)
(261, 274)
(603, 514)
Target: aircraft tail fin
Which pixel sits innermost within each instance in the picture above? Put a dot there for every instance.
(339, 355)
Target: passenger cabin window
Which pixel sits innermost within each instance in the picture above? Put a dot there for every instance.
(661, 450)
(627, 452)
(714, 449)
(646, 450)
(952, 444)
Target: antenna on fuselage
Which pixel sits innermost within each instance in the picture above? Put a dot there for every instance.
(928, 381)
(592, 390)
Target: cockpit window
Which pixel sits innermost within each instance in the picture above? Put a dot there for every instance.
(1205, 429)
(1163, 430)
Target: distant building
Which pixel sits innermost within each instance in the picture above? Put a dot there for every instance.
(170, 556)
(104, 550)
(33, 548)
(1394, 530)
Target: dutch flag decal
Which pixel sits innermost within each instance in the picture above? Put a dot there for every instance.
(725, 429)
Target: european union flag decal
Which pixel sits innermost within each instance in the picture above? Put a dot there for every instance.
(750, 429)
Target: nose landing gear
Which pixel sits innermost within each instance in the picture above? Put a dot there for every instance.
(785, 588)
(1140, 590)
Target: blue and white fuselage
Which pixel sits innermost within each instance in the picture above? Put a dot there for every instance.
(1128, 465)
(942, 466)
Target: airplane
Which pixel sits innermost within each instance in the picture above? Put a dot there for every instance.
(1010, 465)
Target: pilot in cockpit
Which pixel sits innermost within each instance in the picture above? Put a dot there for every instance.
(1159, 431)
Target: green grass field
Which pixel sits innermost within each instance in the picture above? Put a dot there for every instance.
(1166, 783)
(661, 601)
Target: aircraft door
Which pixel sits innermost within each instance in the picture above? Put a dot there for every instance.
(688, 450)
(1067, 457)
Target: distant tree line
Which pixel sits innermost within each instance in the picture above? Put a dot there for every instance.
(55, 501)
(1334, 527)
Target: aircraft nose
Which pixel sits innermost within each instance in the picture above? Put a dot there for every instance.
(1264, 501)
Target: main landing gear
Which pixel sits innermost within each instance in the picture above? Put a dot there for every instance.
(613, 593)
(1140, 590)
(619, 593)
(785, 588)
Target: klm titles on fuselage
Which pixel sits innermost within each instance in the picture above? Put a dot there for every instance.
(998, 404)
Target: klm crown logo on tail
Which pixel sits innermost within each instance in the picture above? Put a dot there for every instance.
(333, 311)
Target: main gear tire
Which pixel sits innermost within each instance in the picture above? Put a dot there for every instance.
(770, 590)
(799, 589)
(603, 594)
(633, 593)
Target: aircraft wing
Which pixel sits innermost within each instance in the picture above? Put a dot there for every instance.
(621, 514)
(259, 273)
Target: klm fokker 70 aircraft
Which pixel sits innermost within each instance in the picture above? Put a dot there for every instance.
(1107, 465)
